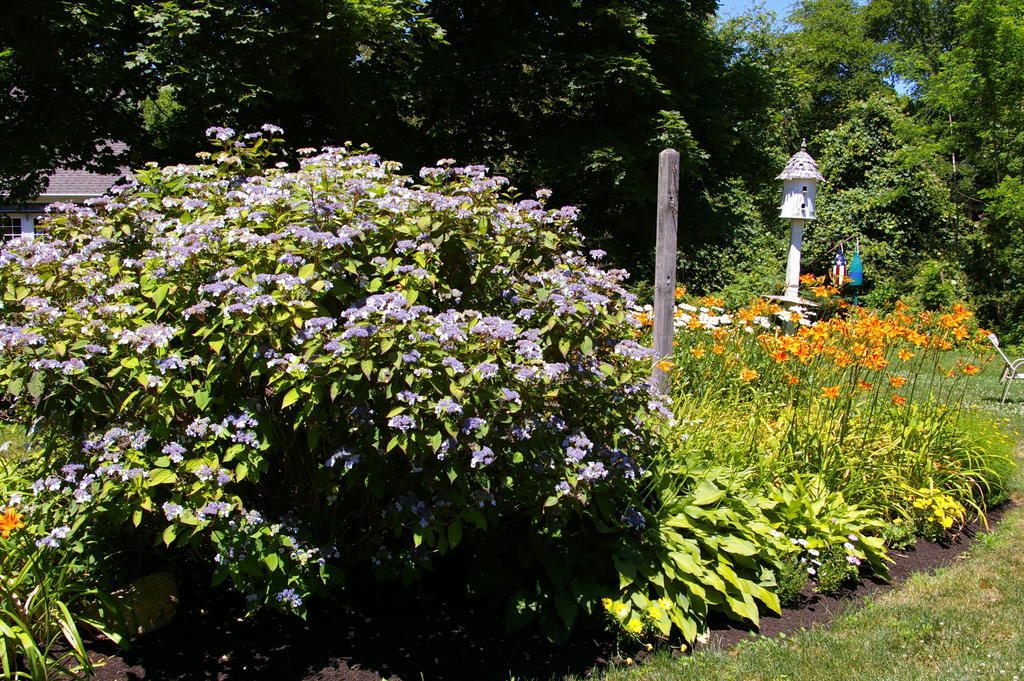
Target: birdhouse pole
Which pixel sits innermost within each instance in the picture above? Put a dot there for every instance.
(796, 239)
(799, 190)
(665, 263)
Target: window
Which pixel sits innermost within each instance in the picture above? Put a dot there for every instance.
(10, 228)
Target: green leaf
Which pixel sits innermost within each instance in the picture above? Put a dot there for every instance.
(626, 570)
(160, 293)
(160, 476)
(737, 546)
(707, 493)
(290, 398)
(454, 533)
(170, 533)
(272, 561)
(567, 609)
(564, 347)
(307, 270)
(36, 385)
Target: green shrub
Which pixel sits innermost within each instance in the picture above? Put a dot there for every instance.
(330, 372)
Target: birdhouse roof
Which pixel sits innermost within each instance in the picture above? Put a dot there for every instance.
(801, 167)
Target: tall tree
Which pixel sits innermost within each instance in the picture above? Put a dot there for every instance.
(579, 96)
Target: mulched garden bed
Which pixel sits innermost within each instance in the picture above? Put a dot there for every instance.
(395, 637)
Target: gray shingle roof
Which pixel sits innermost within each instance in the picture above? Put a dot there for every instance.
(78, 183)
(801, 167)
(63, 182)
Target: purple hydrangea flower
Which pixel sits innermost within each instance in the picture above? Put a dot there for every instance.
(402, 422)
(172, 510)
(447, 405)
(482, 456)
(290, 598)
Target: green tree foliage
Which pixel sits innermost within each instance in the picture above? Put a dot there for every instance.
(65, 94)
(155, 75)
(886, 186)
(578, 96)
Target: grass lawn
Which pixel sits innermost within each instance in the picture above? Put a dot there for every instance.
(962, 622)
(985, 392)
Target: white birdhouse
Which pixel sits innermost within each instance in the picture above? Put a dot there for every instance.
(799, 186)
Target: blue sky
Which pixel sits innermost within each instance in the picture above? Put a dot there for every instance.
(731, 8)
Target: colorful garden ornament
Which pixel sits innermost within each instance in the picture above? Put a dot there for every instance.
(856, 271)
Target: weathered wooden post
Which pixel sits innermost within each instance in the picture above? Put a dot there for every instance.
(665, 263)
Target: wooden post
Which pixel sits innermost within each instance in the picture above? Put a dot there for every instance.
(665, 263)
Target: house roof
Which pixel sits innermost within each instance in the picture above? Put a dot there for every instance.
(801, 167)
(64, 182)
(78, 183)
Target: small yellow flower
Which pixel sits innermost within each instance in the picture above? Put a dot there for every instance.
(634, 626)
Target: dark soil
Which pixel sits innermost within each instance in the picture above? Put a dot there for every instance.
(813, 608)
(401, 638)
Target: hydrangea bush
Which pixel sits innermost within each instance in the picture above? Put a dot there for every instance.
(335, 368)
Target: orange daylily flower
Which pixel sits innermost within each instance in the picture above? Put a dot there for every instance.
(971, 369)
(830, 392)
(665, 365)
(791, 379)
(897, 381)
(11, 520)
(898, 400)
(780, 355)
(803, 352)
(718, 349)
(864, 385)
(698, 352)
(843, 359)
(876, 362)
(904, 354)
(694, 323)
(748, 374)
(711, 301)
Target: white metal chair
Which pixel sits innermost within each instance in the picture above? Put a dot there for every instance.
(1013, 370)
